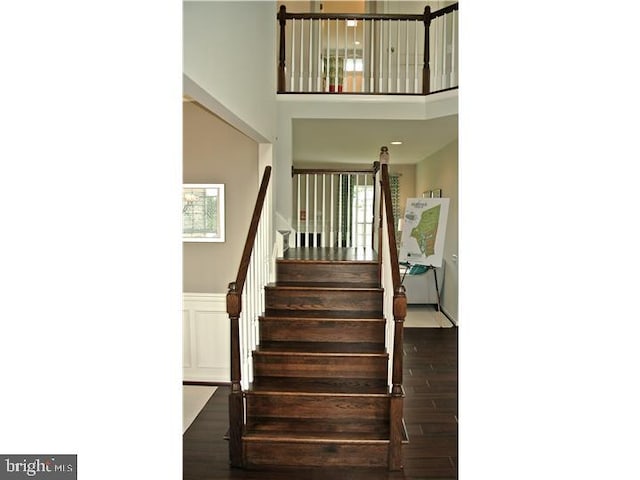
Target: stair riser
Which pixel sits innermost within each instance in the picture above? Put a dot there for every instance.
(291, 454)
(270, 426)
(356, 274)
(305, 330)
(283, 365)
(318, 406)
(280, 298)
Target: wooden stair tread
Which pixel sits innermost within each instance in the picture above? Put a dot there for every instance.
(320, 314)
(318, 385)
(293, 315)
(314, 348)
(332, 286)
(328, 285)
(319, 260)
(311, 436)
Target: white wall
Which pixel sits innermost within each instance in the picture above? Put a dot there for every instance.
(230, 52)
(440, 170)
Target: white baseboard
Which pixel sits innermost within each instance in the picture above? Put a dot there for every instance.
(450, 317)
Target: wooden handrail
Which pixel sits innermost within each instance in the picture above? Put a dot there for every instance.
(253, 228)
(445, 10)
(331, 171)
(234, 307)
(399, 313)
(393, 253)
(284, 15)
(352, 16)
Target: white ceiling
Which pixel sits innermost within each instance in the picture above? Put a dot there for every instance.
(359, 141)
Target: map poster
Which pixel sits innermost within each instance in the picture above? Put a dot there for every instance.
(423, 231)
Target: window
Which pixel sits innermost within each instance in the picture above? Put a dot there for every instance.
(362, 211)
(203, 213)
(354, 65)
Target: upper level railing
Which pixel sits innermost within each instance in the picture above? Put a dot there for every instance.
(368, 53)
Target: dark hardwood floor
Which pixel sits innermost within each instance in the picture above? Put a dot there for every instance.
(430, 413)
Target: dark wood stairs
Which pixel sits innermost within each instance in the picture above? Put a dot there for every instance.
(320, 396)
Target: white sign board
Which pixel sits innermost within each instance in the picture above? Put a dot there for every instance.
(423, 231)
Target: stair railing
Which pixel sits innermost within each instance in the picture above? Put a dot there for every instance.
(333, 208)
(254, 273)
(360, 53)
(395, 306)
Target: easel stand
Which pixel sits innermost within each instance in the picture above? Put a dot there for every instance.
(408, 266)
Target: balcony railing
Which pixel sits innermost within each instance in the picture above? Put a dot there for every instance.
(334, 208)
(368, 53)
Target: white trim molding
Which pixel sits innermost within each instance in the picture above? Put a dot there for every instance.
(205, 338)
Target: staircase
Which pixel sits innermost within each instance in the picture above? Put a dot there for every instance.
(320, 395)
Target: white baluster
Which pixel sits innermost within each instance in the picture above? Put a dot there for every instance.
(356, 212)
(389, 57)
(319, 73)
(301, 75)
(332, 213)
(340, 210)
(310, 86)
(345, 55)
(293, 54)
(367, 240)
(306, 215)
(406, 60)
(298, 209)
(415, 58)
(349, 207)
(380, 67)
(353, 74)
(364, 49)
(336, 89)
(454, 49)
(397, 57)
(372, 85)
(326, 81)
(324, 215)
(315, 210)
(445, 83)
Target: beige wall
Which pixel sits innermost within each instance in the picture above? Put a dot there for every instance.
(440, 170)
(214, 152)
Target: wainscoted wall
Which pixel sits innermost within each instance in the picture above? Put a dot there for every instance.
(205, 338)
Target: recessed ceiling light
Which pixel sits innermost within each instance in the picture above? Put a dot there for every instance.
(396, 143)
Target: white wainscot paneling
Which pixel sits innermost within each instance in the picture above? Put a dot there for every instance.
(206, 338)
